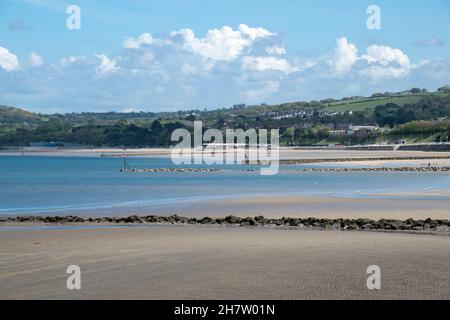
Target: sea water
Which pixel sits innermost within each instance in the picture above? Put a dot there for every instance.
(77, 185)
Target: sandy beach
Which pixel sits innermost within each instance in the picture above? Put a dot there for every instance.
(212, 262)
(285, 153)
(392, 206)
(227, 151)
(201, 262)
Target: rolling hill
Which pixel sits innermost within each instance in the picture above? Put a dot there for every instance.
(372, 102)
(11, 116)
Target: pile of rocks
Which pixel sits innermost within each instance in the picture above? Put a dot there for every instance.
(48, 219)
(300, 223)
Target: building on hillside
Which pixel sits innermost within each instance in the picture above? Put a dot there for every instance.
(339, 132)
(360, 129)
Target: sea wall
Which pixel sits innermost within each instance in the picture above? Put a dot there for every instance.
(424, 147)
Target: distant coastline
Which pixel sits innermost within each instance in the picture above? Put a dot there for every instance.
(288, 155)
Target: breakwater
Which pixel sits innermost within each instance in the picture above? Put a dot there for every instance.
(181, 170)
(428, 224)
(328, 160)
(380, 169)
(322, 169)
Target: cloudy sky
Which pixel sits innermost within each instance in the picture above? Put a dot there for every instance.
(183, 54)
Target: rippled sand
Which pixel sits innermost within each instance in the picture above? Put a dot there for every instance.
(204, 262)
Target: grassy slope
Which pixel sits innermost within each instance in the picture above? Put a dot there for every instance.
(12, 116)
(370, 103)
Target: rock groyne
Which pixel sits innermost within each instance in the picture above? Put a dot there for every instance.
(355, 159)
(380, 169)
(319, 169)
(181, 170)
(428, 224)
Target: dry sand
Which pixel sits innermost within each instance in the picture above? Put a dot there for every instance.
(284, 152)
(203, 262)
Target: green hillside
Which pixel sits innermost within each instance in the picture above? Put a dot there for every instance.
(299, 122)
(363, 104)
(372, 102)
(15, 116)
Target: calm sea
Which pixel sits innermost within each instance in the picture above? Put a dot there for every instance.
(33, 185)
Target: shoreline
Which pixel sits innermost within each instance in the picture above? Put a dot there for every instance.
(352, 205)
(417, 205)
(286, 153)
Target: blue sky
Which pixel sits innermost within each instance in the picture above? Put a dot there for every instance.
(272, 51)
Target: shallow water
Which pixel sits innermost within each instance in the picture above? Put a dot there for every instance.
(34, 185)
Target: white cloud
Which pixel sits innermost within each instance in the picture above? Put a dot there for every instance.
(266, 63)
(385, 56)
(386, 62)
(36, 60)
(254, 33)
(68, 61)
(224, 44)
(136, 43)
(223, 67)
(106, 65)
(276, 50)
(8, 60)
(381, 61)
(380, 72)
(344, 56)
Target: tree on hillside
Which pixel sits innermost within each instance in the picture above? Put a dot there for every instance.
(156, 125)
(445, 89)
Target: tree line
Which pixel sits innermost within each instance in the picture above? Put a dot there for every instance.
(424, 119)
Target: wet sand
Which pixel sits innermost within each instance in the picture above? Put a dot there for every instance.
(204, 262)
(390, 206)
